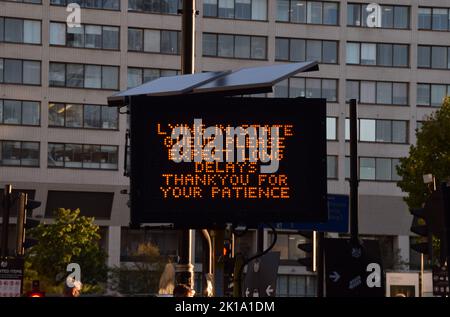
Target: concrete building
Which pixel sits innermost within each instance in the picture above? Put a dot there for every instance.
(60, 143)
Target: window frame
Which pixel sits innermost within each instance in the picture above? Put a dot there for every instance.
(252, 37)
(306, 40)
(363, 24)
(21, 156)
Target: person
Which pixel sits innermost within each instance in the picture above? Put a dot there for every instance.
(167, 280)
(72, 287)
(183, 290)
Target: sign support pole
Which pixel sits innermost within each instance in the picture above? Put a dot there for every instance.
(5, 223)
(185, 269)
(354, 173)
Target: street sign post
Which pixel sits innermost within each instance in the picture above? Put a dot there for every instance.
(440, 281)
(261, 277)
(11, 276)
(353, 270)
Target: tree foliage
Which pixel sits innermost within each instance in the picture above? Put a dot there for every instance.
(71, 238)
(430, 155)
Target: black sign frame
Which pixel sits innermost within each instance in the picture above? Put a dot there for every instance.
(307, 165)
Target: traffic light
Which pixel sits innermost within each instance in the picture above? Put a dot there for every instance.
(25, 222)
(35, 290)
(420, 226)
(310, 249)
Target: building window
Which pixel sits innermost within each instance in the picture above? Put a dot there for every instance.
(375, 169)
(296, 286)
(436, 57)
(307, 87)
(154, 41)
(434, 19)
(90, 4)
(82, 116)
(300, 50)
(392, 55)
(20, 31)
(85, 156)
(309, 12)
(396, 17)
(26, 1)
(17, 71)
(331, 128)
(155, 6)
(332, 171)
(19, 153)
(234, 46)
(384, 93)
(139, 76)
(432, 94)
(380, 131)
(86, 36)
(236, 9)
(84, 76)
(19, 112)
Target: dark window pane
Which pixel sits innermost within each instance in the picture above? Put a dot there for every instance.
(384, 93)
(384, 57)
(57, 75)
(383, 131)
(331, 167)
(110, 37)
(134, 77)
(297, 50)
(108, 158)
(74, 116)
(314, 13)
(226, 9)
(109, 117)
(93, 36)
(111, 4)
(30, 112)
(75, 75)
(329, 52)
(31, 72)
(387, 16)
(282, 49)
(400, 93)
(92, 76)
(401, 55)
(12, 112)
(383, 169)
(92, 115)
(169, 42)
(424, 56)
(440, 19)
(13, 71)
(135, 40)
(209, 44)
(11, 153)
(30, 154)
(258, 47)
(91, 156)
(242, 46)
(56, 114)
(2, 29)
(314, 50)
(283, 10)
(367, 168)
(423, 94)
(75, 36)
(56, 153)
(329, 90)
(298, 11)
(210, 8)
(13, 30)
(399, 131)
(110, 77)
(354, 14)
(225, 43)
(73, 156)
(425, 18)
(330, 13)
(243, 9)
(93, 3)
(401, 17)
(438, 57)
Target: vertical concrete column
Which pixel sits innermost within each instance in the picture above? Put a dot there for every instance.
(401, 243)
(114, 245)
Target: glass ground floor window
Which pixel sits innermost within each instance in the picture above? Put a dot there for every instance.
(296, 286)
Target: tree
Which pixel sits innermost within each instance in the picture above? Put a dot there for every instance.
(71, 238)
(430, 155)
(142, 275)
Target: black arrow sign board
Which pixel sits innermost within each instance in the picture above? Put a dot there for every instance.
(261, 277)
(353, 271)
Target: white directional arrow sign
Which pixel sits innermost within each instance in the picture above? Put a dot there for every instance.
(269, 290)
(247, 292)
(335, 276)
